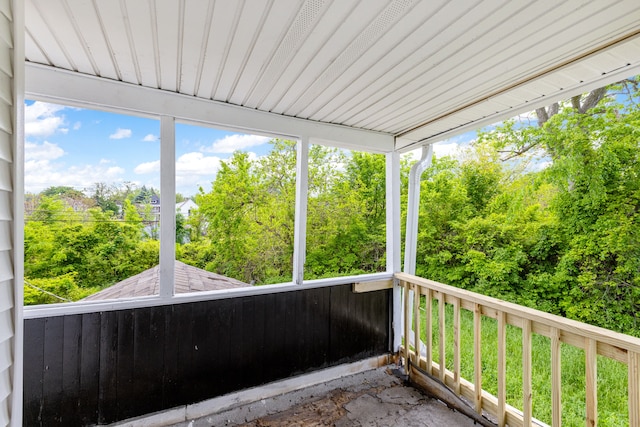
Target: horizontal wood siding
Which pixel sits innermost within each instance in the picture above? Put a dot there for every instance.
(104, 367)
(7, 271)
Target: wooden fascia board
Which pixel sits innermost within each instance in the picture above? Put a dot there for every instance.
(376, 285)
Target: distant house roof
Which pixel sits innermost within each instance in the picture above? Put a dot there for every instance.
(187, 279)
(186, 206)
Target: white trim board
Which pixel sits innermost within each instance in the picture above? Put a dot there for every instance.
(71, 88)
(63, 309)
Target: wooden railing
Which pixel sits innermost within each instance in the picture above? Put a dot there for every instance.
(592, 340)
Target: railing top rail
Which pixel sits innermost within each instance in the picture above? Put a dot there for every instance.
(613, 338)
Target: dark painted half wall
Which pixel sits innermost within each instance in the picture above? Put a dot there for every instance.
(103, 367)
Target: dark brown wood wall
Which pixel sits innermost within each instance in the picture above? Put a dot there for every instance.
(103, 367)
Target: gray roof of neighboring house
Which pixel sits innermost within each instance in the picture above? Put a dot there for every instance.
(187, 279)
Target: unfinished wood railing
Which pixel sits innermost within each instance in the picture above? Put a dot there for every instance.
(593, 340)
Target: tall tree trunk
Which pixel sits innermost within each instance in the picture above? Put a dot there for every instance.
(581, 103)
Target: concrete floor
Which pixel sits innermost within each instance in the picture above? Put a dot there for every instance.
(372, 398)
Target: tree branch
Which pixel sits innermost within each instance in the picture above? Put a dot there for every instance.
(592, 99)
(575, 102)
(544, 114)
(516, 153)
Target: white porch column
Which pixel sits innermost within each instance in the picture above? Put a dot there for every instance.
(302, 190)
(393, 239)
(167, 205)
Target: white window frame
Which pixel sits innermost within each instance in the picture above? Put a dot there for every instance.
(65, 88)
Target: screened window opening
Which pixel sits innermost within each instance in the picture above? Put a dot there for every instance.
(91, 204)
(235, 208)
(346, 221)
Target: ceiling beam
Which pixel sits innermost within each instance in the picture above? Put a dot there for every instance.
(72, 88)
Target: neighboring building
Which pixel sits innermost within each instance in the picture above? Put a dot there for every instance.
(187, 279)
(155, 203)
(155, 207)
(152, 221)
(186, 207)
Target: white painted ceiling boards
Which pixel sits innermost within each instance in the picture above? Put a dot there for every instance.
(416, 70)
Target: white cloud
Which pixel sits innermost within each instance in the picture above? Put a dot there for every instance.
(121, 134)
(197, 164)
(148, 167)
(43, 173)
(45, 151)
(231, 143)
(77, 125)
(195, 170)
(150, 138)
(189, 164)
(42, 119)
(447, 149)
(43, 169)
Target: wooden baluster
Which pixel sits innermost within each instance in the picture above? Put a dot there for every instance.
(456, 345)
(416, 323)
(502, 368)
(556, 379)
(634, 388)
(441, 322)
(527, 396)
(477, 355)
(428, 331)
(407, 322)
(591, 372)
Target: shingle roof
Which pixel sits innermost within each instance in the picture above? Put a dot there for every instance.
(187, 279)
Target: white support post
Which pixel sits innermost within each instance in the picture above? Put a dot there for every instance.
(392, 177)
(167, 205)
(302, 191)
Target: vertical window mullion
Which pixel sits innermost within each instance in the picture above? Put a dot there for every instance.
(392, 180)
(167, 205)
(302, 190)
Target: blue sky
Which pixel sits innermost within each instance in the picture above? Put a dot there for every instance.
(67, 146)
(78, 147)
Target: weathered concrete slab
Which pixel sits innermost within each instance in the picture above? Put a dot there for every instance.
(368, 399)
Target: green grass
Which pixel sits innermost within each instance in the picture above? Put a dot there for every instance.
(612, 375)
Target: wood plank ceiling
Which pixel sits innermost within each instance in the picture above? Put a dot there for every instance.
(420, 70)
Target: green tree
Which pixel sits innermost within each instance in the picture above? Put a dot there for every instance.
(103, 197)
(231, 212)
(597, 173)
(63, 191)
(59, 289)
(346, 232)
(562, 238)
(71, 254)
